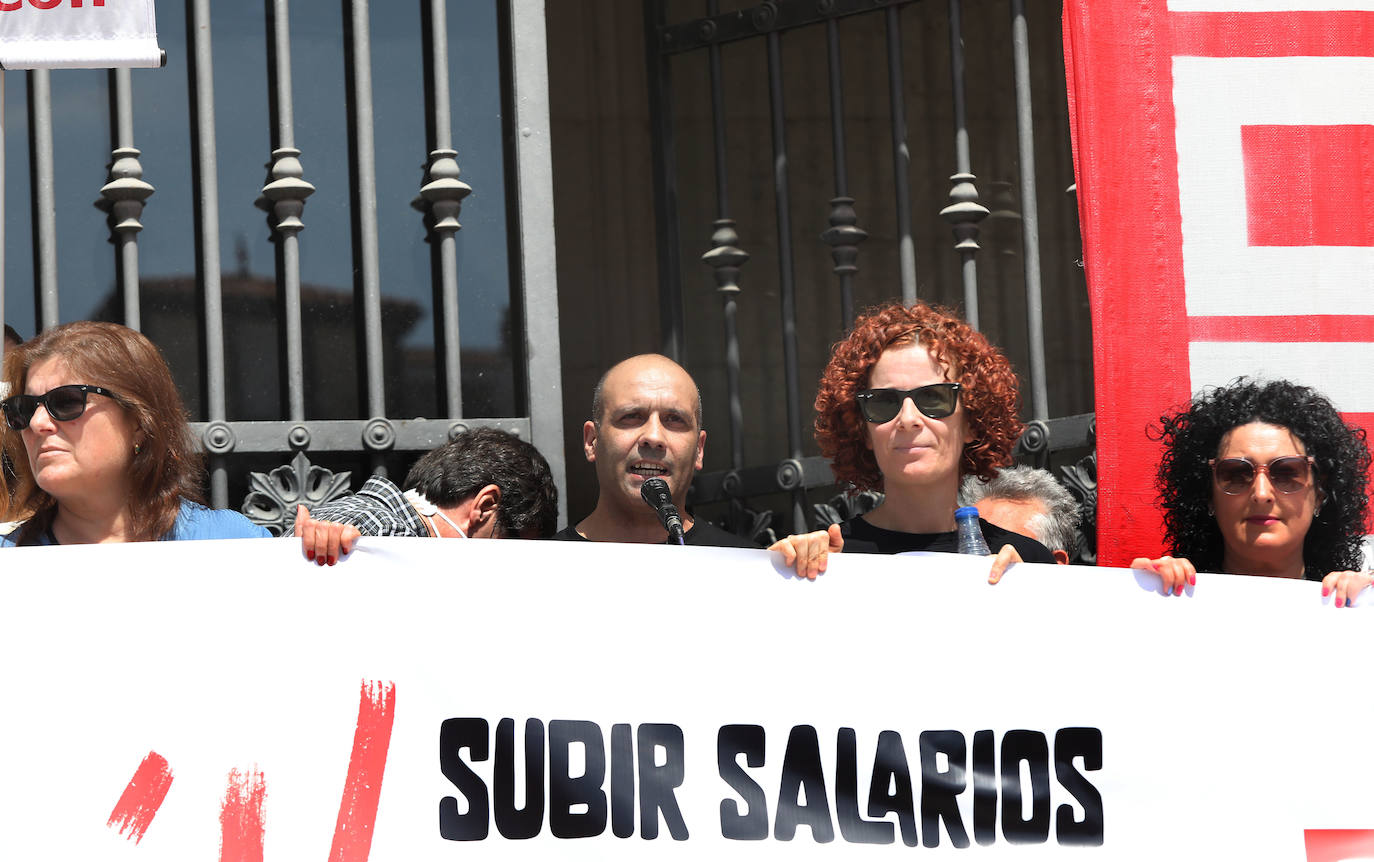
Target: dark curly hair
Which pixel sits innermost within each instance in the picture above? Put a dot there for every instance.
(1194, 434)
(486, 456)
(989, 396)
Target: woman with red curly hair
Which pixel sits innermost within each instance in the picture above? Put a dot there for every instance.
(913, 400)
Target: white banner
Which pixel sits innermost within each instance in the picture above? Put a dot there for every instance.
(168, 701)
(78, 34)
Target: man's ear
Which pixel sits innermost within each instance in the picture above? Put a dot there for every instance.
(1061, 557)
(589, 440)
(482, 513)
(701, 450)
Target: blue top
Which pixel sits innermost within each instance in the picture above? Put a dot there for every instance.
(193, 522)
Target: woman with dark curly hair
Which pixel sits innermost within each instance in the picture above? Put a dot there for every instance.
(1264, 479)
(913, 400)
(99, 444)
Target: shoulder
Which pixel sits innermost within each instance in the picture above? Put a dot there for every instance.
(1030, 550)
(380, 487)
(705, 533)
(861, 537)
(201, 522)
(568, 534)
(378, 509)
(13, 535)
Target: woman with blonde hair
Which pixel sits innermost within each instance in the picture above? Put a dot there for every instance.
(100, 446)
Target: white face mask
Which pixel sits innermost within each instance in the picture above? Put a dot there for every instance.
(426, 509)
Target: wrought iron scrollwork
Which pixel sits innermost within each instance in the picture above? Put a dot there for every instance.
(749, 524)
(273, 496)
(1081, 480)
(1034, 446)
(844, 507)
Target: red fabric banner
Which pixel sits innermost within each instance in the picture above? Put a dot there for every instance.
(1226, 196)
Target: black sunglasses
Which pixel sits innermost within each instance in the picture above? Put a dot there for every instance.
(1289, 474)
(63, 403)
(937, 401)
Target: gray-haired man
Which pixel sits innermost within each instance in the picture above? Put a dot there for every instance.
(1028, 501)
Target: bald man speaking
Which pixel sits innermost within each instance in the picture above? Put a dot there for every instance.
(646, 423)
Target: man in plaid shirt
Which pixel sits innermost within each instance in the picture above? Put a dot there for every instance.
(484, 483)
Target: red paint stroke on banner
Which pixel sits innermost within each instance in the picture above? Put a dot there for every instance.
(241, 820)
(1272, 34)
(1283, 328)
(1309, 185)
(363, 786)
(1332, 845)
(141, 799)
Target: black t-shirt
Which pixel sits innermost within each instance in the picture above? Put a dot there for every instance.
(861, 537)
(702, 533)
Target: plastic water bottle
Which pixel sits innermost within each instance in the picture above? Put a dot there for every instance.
(971, 539)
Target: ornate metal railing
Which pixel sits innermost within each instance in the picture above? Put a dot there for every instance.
(285, 196)
(756, 34)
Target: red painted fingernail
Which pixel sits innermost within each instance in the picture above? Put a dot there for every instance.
(1325, 592)
(310, 555)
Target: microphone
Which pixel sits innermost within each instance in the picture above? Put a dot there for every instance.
(655, 492)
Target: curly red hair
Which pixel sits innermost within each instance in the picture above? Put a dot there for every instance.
(989, 396)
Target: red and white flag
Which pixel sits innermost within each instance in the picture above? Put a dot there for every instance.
(1224, 152)
(78, 34)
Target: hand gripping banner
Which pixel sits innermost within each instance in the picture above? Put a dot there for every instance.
(1224, 152)
(78, 34)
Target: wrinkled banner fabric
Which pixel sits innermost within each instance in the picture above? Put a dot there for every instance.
(429, 700)
(1224, 153)
(78, 34)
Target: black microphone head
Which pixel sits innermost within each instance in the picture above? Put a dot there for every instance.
(655, 492)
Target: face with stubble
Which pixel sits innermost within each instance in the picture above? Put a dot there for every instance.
(648, 427)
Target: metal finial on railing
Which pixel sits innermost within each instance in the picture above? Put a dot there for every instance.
(284, 194)
(964, 211)
(283, 198)
(725, 257)
(442, 191)
(121, 198)
(441, 199)
(125, 190)
(964, 214)
(844, 237)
